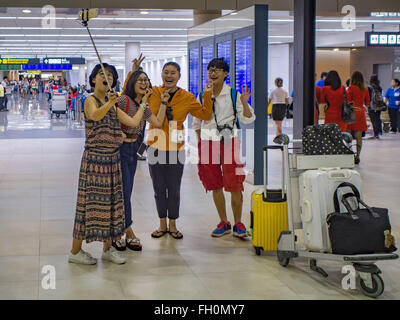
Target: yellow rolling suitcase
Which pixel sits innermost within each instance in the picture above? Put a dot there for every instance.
(269, 215)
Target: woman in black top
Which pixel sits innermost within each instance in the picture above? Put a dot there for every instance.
(375, 114)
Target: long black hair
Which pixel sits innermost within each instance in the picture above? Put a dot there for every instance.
(333, 80)
(130, 86)
(97, 69)
(374, 81)
(357, 79)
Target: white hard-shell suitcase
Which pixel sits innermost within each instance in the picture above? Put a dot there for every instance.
(317, 188)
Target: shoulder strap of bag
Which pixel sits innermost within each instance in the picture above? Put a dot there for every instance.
(234, 100)
(343, 185)
(126, 111)
(201, 97)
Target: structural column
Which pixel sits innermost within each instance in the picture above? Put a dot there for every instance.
(81, 78)
(132, 51)
(90, 65)
(304, 66)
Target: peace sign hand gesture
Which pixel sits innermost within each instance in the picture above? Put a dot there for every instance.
(245, 96)
(137, 62)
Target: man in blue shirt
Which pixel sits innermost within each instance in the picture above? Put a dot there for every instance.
(392, 99)
(320, 82)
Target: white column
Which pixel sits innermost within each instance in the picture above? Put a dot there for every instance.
(81, 78)
(106, 59)
(90, 65)
(132, 51)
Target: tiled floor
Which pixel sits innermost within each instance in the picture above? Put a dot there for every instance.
(38, 185)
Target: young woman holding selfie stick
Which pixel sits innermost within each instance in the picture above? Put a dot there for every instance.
(100, 206)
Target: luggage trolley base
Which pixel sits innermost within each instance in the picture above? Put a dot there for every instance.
(368, 279)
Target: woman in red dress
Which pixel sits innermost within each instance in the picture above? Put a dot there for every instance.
(333, 95)
(358, 94)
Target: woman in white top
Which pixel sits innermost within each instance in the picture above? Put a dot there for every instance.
(280, 99)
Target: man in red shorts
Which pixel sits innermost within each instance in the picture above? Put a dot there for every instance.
(219, 147)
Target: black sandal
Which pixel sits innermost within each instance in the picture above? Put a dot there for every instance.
(163, 233)
(176, 234)
(122, 245)
(134, 244)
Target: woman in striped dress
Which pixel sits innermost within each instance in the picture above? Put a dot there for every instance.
(100, 204)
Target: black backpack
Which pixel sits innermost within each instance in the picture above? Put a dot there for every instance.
(377, 103)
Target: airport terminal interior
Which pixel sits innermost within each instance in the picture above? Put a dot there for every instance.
(42, 146)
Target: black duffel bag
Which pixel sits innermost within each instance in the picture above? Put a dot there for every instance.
(324, 139)
(359, 231)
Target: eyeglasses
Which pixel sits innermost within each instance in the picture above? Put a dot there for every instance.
(210, 71)
(143, 80)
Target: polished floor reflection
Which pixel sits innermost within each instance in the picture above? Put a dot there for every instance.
(31, 118)
(38, 186)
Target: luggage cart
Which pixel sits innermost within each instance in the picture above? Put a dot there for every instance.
(368, 273)
(58, 105)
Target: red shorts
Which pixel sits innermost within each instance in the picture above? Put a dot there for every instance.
(220, 166)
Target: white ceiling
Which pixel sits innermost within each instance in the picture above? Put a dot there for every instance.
(162, 33)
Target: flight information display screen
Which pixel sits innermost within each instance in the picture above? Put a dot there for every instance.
(382, 39)
(243, 63)
(194, 71)
(224, 51)
(206, 57)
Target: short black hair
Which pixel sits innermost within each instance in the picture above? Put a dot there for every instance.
(324, 74)
(279, 82)
(130, 86)
(174, 64)
(5, 77)
(397, 81)
(218, 63)
(97, 69)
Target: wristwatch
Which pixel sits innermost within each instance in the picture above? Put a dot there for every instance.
(144, 106)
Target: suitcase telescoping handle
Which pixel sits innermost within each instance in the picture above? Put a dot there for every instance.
(265, 169)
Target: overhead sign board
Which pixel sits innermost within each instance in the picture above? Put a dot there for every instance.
(382, 39)
(64, 60)
(19, 61)
(47, 67)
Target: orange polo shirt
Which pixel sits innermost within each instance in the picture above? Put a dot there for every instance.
(182, 103)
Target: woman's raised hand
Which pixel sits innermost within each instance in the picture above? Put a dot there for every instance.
(148, 93)
(165, 96)
(137, 62)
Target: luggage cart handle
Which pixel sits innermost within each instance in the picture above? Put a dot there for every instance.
(273, 147)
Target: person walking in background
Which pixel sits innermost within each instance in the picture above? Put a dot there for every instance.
(7, 92)
(280, 99)
(376, 105)
(392, 99)
(321, 82)
(2, 94)
(358, 94)
(333, 96)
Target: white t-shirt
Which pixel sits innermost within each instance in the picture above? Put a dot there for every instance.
(278, 96)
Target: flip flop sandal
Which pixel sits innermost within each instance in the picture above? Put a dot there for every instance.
(120, 245)
(134, 244)
(163, 233)
(176, 234)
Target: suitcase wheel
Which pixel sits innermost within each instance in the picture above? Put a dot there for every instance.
(258, 250)
(282, 259)
(377, 286)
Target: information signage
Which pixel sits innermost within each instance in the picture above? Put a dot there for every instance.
(10, 67)
(19, 61)
(382, 39)
(64, 60)
(47, 67)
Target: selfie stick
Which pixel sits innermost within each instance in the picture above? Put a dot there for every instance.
(85, 20)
